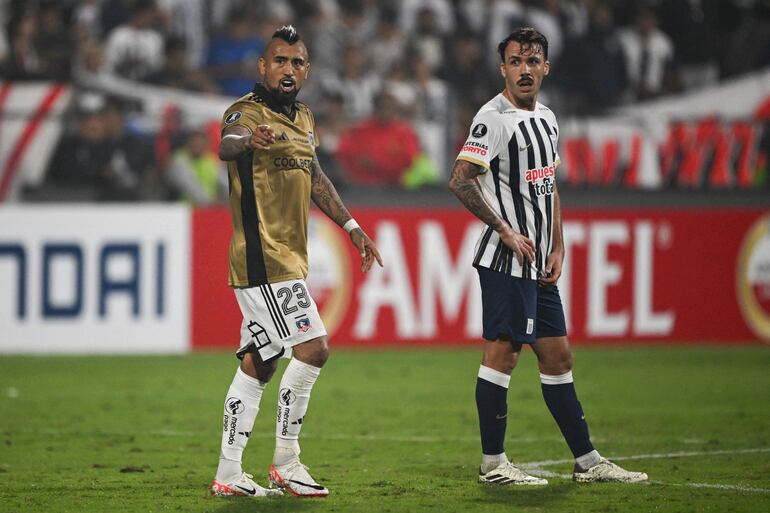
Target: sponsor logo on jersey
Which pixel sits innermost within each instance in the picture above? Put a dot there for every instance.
(475, 147)
(284, 162)
(233, 117)
(544, 188)
(233, 430)
(480, 130)
(753, 277)
(533, 175)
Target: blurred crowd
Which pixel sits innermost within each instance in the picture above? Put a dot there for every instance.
(393, 85)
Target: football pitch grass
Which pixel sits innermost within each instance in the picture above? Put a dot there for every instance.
(387, 431)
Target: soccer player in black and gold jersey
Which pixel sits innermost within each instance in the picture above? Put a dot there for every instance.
(269, 141)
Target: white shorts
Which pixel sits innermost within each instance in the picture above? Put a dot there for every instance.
(277, 317)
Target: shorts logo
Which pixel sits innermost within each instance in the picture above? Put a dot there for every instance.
(232, 118)
(530, 326)
(234, 405)
(303, 325)
(479, 130)
(287, 397)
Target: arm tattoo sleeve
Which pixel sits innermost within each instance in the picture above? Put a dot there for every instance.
(325, 196)
(464, 185)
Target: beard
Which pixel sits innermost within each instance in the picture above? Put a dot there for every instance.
(284, 99)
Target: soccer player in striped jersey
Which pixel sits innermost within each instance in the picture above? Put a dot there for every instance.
(505, 175)
(269, 141)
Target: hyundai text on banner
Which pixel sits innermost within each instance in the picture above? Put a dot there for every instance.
(97, 279)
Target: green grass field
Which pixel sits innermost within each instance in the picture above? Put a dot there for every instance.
(387, 431)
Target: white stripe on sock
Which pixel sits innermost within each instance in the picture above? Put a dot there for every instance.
(556, 380)
(494, 376)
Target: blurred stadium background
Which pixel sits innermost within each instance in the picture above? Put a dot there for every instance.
(114, 229)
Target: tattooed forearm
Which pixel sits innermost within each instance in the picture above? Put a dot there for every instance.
(464, 185)
(325, 196)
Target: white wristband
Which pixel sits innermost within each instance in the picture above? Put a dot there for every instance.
(350, 225)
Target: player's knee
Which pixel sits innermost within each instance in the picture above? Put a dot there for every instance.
(314, 353)
(265, 371)
(558, 364)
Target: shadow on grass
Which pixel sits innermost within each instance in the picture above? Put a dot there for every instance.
(525, 496)
(268, 505)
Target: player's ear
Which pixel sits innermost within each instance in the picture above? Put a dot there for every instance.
(307, 70)
(261, 64)
(502, 69)
(547, 67)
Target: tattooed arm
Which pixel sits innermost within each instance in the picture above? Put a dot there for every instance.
(325, 196)
(465, 186)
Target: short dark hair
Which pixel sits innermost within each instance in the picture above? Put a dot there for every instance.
(527, 37)
(288, 33)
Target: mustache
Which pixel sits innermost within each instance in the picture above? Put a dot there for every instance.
(525, 80)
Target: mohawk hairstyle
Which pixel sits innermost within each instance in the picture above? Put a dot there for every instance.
(288, 33)
(528, 38)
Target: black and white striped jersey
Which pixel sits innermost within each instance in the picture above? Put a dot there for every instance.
(517, 148)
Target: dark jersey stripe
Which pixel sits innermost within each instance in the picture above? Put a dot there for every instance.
(532, 197)
(483, 246)
(280, 316)
(255, 260)
(543, 160)
(550, 141)
(548, 208)
(271, 308)
(519, 198)
(502, 249)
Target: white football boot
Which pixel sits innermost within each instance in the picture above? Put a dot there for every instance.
(606, 471)
(295, 478)
(244, 485)
(509, 474)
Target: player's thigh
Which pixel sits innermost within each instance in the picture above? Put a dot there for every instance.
(554, 355)
(277, 317)
(509, 307)
(552, 348)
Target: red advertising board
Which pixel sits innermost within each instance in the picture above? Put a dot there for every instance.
(630, 275)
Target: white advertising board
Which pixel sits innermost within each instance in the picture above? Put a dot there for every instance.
(94, 279)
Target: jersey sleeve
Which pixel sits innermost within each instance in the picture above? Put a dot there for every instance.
(483, 142)
(241, 114)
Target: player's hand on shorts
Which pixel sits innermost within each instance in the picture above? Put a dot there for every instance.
(366, 248)
(522, 246)
(552, 269)
(262, 138)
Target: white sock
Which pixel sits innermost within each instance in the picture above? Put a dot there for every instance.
(587, 461)
(240, 411)
(293, 398)
(492, 461)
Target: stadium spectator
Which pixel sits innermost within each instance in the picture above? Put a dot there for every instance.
(427, 40)
(233, 54)
(176, 71)
(186, 20)
(441, 14)
(594, 65)
(649, 57)
(132, 156)
(379, 150)
(83, 162)
(357, 85)
(195, 173)
(332, 34)
(388, 47)
(465, 71)
(23, 60)
(134, 50)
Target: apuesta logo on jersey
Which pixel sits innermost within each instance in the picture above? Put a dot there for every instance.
(753, 277)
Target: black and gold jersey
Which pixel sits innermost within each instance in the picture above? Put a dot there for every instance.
(270, 193)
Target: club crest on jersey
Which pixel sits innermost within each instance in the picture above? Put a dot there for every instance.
(479, 130)
(303, 325)
(232, 117)
(311, 138)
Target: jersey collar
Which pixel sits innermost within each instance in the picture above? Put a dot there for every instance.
(264, 93)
